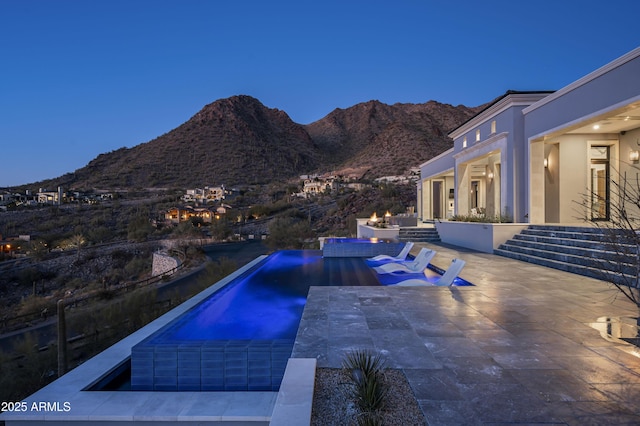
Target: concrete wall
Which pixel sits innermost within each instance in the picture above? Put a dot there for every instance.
(613, 86)
(552, 183)
(630, 141)
(163, 263)
(437, 165)
(614, 83)
(365, 231)
(567, 185)
(573, 177)
(484, 237)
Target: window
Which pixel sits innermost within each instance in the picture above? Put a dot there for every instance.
(493, 126)
(464, 142)
(478, 135)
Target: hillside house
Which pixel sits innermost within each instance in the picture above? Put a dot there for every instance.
(541, 157)
(399, 179)
(44, 196)
(11, 246)
(319, 186)
(208, 194)
(176, 215)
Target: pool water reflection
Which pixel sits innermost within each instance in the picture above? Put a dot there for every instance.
(240, 337)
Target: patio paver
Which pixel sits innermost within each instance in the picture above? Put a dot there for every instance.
(515, 348)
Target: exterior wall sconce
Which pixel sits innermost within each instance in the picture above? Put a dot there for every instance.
(490, 175)
(634, 156)
(546, 163)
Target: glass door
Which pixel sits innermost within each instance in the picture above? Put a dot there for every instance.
(475, 188)
(437, 199)
(599, 181)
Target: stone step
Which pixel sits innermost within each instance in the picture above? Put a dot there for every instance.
(418, 230)
(416, 234)
(587, 261)
(561, 228)
(569, 235)
(419, 240)
(597, 251)
(623, 279)
(574, 242)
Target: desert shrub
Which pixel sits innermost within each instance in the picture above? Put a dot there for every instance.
(35, 304)
(368, 390)
(73, 282)
(191, 227)
(29, 275)
(139, 228)
(99, 234)
(288, 233)
(482, 218)
(120, 258)
(220, 229)
(24, 369)
(39, 248)
(137, 266)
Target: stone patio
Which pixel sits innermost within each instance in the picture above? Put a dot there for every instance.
(517, 348)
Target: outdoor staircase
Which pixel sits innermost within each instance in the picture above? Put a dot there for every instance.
(594, 252)
(419, 234)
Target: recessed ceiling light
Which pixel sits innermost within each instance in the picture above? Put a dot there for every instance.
(596, 126)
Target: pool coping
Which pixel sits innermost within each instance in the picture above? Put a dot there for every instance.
(86, 406)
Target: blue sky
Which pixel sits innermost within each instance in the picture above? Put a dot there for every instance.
(80, 78)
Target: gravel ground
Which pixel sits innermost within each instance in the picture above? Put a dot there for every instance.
(331, 404)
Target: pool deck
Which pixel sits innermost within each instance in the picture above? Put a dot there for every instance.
(516, 348)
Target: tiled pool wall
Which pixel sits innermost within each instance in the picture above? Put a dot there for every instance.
(232, 365)
(359, 248)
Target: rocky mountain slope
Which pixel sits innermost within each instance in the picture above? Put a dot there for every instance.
(388, 138)
(240, 141)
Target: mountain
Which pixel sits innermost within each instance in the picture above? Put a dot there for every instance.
(234, 140)
(238, 140)
(388, 138)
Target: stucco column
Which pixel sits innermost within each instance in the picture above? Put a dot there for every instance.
(495, 185)
(426, 199)
(536, 182)
(462, 196)
(420, 200)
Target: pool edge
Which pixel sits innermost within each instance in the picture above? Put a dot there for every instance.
(129, 407)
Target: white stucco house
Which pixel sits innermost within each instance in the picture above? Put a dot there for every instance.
(541, 157)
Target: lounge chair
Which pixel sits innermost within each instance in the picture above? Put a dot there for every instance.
(445, 280)
(401, 257)
(418, 265)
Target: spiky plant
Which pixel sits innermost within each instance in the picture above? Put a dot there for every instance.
(366, 370)
(370, 419)
(365, 361)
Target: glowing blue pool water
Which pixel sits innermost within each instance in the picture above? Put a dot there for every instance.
(241, 337)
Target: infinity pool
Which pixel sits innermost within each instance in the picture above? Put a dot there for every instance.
(241, 337)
